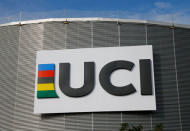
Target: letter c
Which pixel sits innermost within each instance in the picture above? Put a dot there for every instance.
(106, 72)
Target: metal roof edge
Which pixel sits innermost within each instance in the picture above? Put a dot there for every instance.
(96, 19)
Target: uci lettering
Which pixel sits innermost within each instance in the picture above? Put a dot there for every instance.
(104, 78)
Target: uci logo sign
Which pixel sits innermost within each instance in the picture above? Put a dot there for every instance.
(104, 78)
(94, 68)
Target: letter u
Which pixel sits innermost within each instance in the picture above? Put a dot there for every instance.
(89, 80)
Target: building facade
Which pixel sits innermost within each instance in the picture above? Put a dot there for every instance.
(19, 42)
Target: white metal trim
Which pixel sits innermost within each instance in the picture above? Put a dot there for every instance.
(95, 19)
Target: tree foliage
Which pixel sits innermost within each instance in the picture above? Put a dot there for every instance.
(127, 127)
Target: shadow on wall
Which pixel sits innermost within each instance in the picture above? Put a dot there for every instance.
(158, 79)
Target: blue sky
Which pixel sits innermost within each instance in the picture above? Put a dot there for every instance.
(158, 10)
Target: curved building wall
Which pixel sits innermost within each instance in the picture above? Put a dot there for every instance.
(18, 46)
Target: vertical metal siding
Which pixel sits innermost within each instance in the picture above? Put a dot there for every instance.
(105, 34)
(107, 121)
(132, 34)
(78, 122)
(9, 39)
(78, 36)
(84, 35)
(54, 36)
(60, 36)
(165, 78)
(182, 44)
(29, 42)
(72, 35)
(53, 39)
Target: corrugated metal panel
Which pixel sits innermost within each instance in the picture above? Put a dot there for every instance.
(107, 121)
(84, 34)
(182, 44)
(9, 39)
(50, 122)
(165, 78)
(54, 36)
(78, 122)
(105, 34)
(72, 36)
(30, 42)
(53, 39)
(78, 35)
(162, 41)
(61, 36)
(132, 34)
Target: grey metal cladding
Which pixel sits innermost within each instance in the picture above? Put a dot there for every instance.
(106, 121)
(165, 78)
(30, 42)
(51, 122)
(167, 102)
(79, 122)
(9, 39)
(105, 34)
(54, 36)
(182, 44)
(83, 39)
(48, 36)
(58, 35)
(161, 39)
(78, 35)
(84, 35)
(72, 35)
(132, 34)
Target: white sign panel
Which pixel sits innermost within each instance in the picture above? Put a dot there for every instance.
(95, 80)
